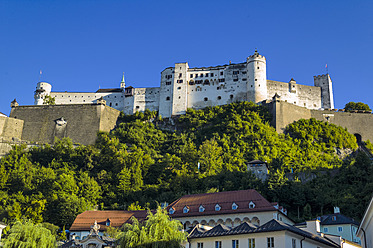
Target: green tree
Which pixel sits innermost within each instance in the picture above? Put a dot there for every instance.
(49, 100)
(157, 231)
(27, 235)
(351, 106)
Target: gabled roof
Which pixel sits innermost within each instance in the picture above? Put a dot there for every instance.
(339, 219)
(270, 226)
(225, 200)
(85, 220)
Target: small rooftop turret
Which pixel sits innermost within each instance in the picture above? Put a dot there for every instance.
(14, 103)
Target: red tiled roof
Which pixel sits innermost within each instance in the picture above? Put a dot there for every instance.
(85, 220)
(225, 200)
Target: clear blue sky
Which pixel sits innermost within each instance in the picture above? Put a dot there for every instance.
(84, 45)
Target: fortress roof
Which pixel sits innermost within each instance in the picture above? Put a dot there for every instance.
(109, 90)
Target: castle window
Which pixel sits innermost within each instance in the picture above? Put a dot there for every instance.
(111, 104)
(258, 67)
(191, 75)
(180, 74)
(205, 99)
(236, 72)
(244, 72)
(256, 79)
(219, 97)
(196, 75)
(217, 207)
(179, 97)
(191, 82)
(168, 83)
(167, 98)
(201, 209)
(304, 104)
(211, 74)
(235, 79)
(221, 80)
(83, 100)
(179, 88)
(244, 79)
(218, 88)
(180, 81)
(231, 97)
(206, 75)
(137, 107)
(251, 204)
(221, 73)
(116, 104)
(201, 75)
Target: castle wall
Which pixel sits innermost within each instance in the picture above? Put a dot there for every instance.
(285, 113)
(143, 98)
(300, 95)
(10, 128)
(81, 122)
(165, 94)
(113, 99)
(219, 86)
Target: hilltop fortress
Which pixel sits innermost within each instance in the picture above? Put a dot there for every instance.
(182, 87)
(80, 116)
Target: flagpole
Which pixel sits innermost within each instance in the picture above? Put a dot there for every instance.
(40, 75)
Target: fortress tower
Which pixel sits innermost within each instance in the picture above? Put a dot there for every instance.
(325, 83)
(256, 78)
(42, 89)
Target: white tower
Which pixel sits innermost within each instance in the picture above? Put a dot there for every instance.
(326, 85)
(256, 78)
(42, 89)
(123, 83)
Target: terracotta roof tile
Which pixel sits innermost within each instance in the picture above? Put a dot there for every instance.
(85, 220)
(225, 200)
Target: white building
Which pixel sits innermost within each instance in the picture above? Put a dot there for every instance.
(272, 234)
(365, 231)
(230, 208)
(2, 226)
(182, 87)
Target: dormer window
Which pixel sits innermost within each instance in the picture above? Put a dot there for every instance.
(201, 209)
(185, 209)
(108, 222)
(334, 218)
(217, 207)
(251, 204)
(171, 211)
(234, 206)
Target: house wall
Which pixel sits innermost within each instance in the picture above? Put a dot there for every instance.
(348, 231)
(282, 239)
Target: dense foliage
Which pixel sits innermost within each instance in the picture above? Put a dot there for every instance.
(351, 106)
(27, 235)
(157, 231)
(148, 160)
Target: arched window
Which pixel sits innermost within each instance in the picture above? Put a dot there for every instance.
(205, 99)
(219, 97)
(251, 204)
(217, 207)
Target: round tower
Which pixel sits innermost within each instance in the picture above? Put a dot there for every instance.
(42, 89)
(256, 78)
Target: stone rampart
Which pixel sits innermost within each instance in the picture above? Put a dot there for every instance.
(80, 122)
(10, 128)
(285, 113)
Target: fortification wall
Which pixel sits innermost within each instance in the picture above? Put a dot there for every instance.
(10, 128)
(285, 113)
(80, 122)
(300, 95)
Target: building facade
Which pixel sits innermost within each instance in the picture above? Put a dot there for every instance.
(184, 87)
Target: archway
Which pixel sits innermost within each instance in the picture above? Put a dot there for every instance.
(358, 138)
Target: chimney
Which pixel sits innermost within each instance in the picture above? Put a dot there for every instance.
(336, 210)
(313, 226)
